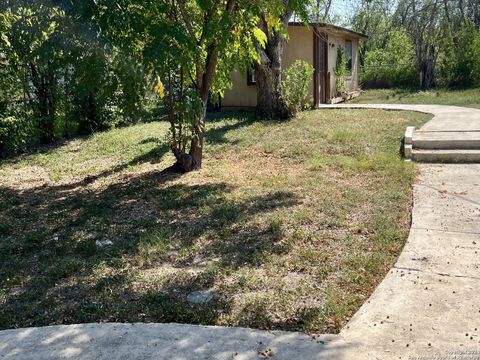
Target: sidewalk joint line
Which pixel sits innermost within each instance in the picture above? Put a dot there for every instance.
(450, 194)
(445, 231)
(436, 273)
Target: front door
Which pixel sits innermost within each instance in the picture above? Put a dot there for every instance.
(320, 57)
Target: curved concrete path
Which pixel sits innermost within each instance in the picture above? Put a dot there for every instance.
(428, 305)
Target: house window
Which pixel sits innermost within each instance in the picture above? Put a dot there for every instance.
(349, 54)
(251, 80)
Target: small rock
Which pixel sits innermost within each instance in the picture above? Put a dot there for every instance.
(200, 297)
(103, 243)
(16, 290)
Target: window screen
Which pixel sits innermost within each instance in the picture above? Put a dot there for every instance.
(349, 54)
(251, 80)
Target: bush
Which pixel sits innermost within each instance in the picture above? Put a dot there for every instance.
(15, 133)
(460, 60)
(395, 63)
(296, 86)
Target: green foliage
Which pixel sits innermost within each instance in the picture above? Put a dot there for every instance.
(296, 86)
(460, 60)
(341, 72)
(420, 43)
(59, 77)
(15, 133)
(81, 66)
(394, 62)
(187, 109)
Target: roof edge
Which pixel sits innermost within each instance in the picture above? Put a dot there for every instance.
(331, 27)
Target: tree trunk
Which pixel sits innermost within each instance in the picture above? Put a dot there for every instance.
(43, 82)
(268, 73)
(427, 75)
(196, 148)
(426, 67)
(269, 95)
(192, 160)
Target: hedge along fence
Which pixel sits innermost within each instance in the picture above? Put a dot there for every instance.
(406, 75)
(388, 75)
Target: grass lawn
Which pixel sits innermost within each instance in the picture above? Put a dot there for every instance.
(290, 224)
(468, 98)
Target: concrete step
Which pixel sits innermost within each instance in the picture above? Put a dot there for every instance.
(445, 140)
(446, 155)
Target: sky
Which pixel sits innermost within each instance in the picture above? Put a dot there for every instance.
(341, 8)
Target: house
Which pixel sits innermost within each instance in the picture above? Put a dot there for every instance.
(316, 44)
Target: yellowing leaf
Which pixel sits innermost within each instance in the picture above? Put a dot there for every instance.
(260, 36)
(5, 40)
(159, 89)
(271, 21)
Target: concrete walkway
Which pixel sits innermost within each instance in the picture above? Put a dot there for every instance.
(428, 304)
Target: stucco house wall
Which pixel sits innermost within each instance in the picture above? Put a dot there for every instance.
(299, 46)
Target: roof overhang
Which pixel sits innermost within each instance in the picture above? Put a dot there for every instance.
(332, 29)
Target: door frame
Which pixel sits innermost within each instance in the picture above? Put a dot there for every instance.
(320, 76)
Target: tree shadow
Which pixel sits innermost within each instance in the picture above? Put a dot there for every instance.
(169, 341)
(217, 134)
(53, 272)
(154, 156)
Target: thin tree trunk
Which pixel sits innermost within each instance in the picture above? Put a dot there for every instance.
(196, 147)
(45, 107)
(193, 160)
(204, 77)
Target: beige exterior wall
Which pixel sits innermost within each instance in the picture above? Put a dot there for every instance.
(241, 94)
(298, 47)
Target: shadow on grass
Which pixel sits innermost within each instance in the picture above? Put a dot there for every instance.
(52, 271)
(153, 156)
(217, 135)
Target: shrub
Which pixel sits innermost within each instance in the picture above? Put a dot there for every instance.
(296, 86)
(15, 133)
(460, 59)
(395, 63)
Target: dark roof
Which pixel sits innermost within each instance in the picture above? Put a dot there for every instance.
(332, 28)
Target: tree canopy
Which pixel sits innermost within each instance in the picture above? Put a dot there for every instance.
(423, 43)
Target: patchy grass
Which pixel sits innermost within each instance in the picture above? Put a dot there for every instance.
(290, 224)
(468, 97)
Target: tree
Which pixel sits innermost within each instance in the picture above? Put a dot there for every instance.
(189, 48)
(373, 17)
(442, 32)
(28, 41)
(274, 19)
(421, 18)
(394, 62)
(59, 76)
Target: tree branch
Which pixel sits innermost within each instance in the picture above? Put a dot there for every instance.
(186, 20)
